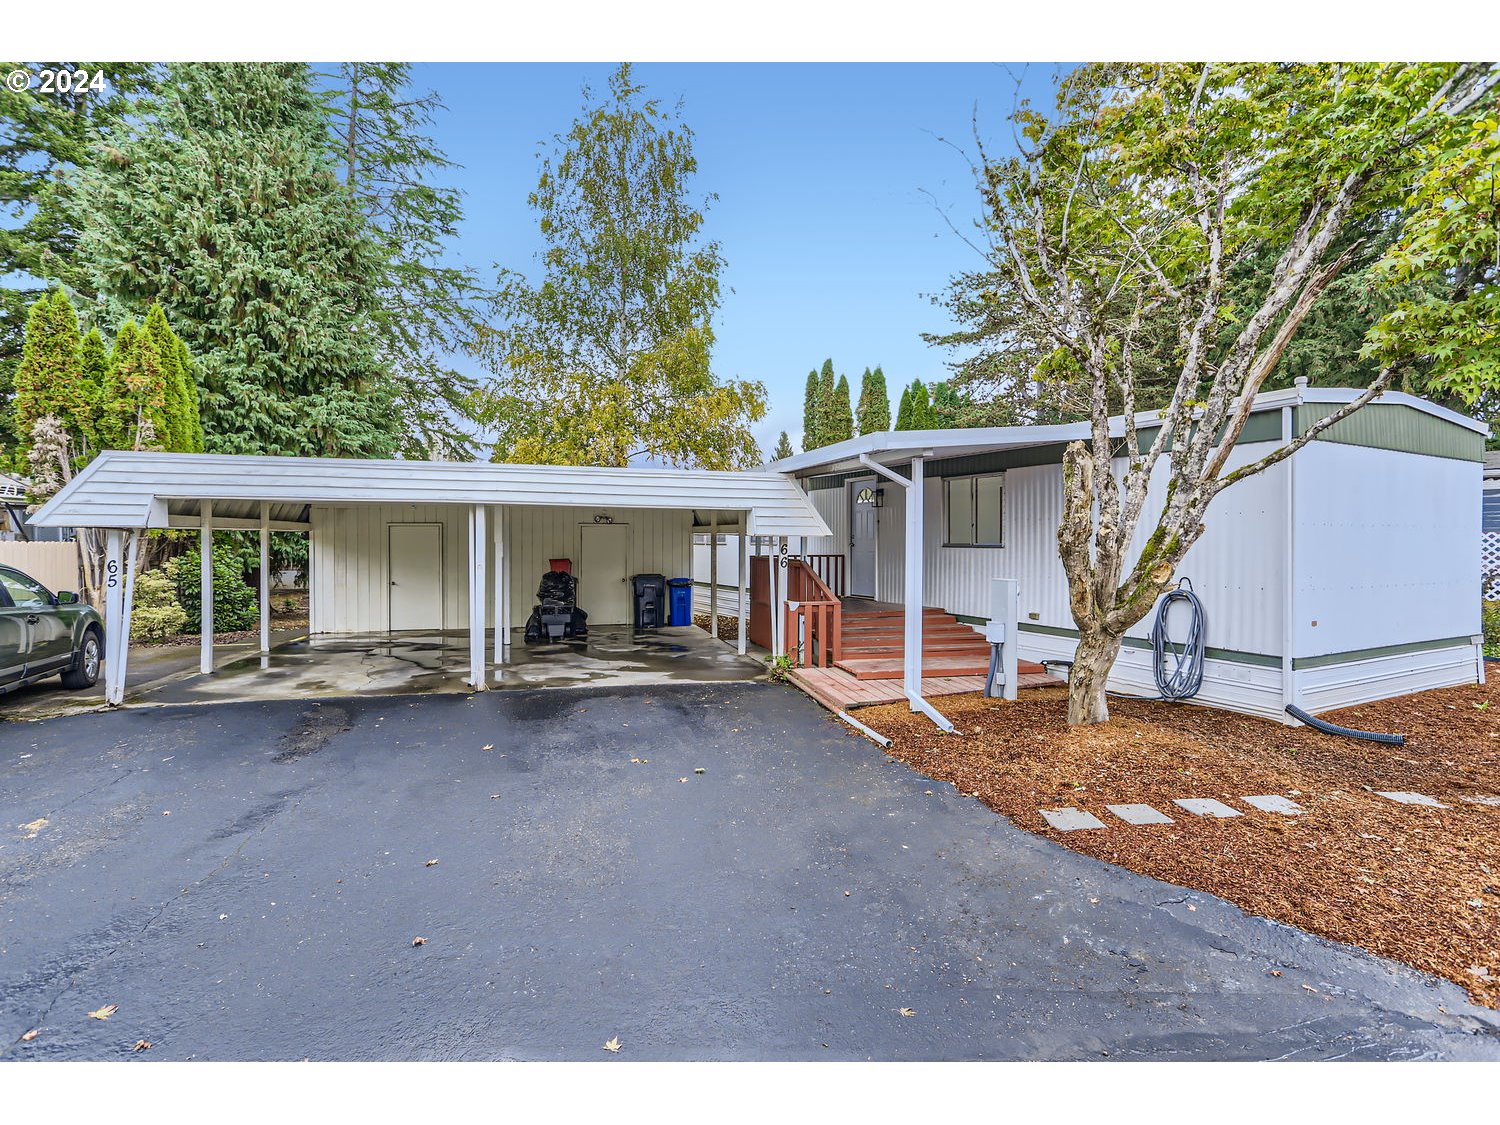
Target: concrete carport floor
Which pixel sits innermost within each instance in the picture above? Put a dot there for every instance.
(403, 663)
(804, 897)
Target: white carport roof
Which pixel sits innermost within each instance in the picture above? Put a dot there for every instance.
(124, 489)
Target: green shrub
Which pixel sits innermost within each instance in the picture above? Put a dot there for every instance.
(1492, 628)
(157, 614)
(234, 602)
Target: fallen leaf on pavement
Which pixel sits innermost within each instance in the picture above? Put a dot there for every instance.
(488, 746)
(31, 828)
(1275, 972)
(494, 796)
(105, 1012)
(700, 769)
(907, 1011)
(418, 941)
(430, 863)
(142, 1045)
(30, 1035)
(1309, 988)
(682, 779)
(613, 1045)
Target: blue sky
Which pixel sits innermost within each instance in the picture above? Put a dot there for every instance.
(823, 173)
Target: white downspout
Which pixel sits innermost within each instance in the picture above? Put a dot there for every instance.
(478, 589)
(1290, 696)
(502, 637)
(912, 646)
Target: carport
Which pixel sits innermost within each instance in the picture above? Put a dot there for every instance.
(421, 546)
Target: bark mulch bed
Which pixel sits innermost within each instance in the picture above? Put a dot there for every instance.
(729, 627)
(1418, 885)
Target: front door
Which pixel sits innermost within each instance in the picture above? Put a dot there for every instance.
(416, 576)
(863, 531)
(604, 589)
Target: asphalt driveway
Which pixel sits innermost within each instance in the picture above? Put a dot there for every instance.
(245, 881)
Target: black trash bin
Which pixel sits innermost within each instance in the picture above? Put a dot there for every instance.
(650, 601)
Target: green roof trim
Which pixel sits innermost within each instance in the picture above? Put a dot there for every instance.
(1385, 425)
(1395, 426)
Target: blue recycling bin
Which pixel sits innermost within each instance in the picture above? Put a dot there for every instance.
(680, 593)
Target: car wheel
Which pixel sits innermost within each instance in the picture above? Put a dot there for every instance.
(85, 673)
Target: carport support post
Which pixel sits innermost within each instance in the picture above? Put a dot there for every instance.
(265, 576)
(501, 608)
(744, 573)
(206, 586)
(713, 577)
(478, 589)
(114, 617)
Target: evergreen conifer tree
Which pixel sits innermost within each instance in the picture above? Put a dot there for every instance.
(874, 412)
(219, 200)
(49, 378)
(133, 405)
(783, 448)
(826, 388)
(841, 417)
(903, 411)
(812, 414)
(94, 362)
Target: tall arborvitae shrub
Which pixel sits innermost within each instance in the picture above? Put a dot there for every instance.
(874, 414)
(812, 413)
(840, 414)
(50, 377)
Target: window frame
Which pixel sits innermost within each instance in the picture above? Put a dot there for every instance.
(972, 479)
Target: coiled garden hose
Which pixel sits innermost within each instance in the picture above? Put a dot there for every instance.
(1186, 676)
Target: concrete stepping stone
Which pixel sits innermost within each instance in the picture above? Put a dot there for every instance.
(1403, 798)
(1207, 806)
(1070, 820)
(1139, 814)
(1275, 802)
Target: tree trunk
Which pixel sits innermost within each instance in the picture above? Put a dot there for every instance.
(1096, 654)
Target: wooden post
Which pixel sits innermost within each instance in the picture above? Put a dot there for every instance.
(265, 576)
(206, 586)
(114, 618)
(713, 577)
(477, 590)
(744, 572)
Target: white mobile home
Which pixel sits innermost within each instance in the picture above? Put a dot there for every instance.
(1348, 572)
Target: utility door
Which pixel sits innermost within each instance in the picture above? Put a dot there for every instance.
(604, 588)
(863, 532)
(416, 576)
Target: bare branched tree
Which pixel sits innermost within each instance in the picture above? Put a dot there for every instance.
(1125, 212)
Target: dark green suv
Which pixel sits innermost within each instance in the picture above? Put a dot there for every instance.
(42, 634)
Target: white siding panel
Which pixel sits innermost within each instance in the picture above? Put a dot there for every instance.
(1343, 685)
(350, 557)
(1387, 548)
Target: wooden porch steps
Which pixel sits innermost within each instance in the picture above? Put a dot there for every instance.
(872, 644)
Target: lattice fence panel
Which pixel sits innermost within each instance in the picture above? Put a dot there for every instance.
(1489, 563)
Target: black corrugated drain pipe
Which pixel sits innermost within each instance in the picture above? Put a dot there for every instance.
(1331, 728)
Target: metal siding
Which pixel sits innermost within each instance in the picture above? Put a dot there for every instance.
(1235, 567)
(1344, 685)
(1388, 548)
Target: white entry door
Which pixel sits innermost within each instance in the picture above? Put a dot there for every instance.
(863, 531)
(416, 576)
(604, 589)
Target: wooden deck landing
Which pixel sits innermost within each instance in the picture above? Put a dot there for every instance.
(839, 691)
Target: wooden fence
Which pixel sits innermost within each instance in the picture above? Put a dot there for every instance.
(54, 565)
